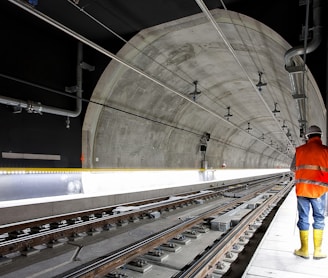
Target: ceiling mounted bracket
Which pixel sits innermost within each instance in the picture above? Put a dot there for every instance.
(260, 84)
(195, 92)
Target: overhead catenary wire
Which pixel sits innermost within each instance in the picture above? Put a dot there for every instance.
(91, 101)
(93, 45)
(114, 108)
(260, 72)
(174, 73)
(83, 10)
(103, 25)
(205, 10)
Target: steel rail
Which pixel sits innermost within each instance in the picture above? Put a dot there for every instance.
(25, 241)
(205, 264)
(108, 263)
(5, 228)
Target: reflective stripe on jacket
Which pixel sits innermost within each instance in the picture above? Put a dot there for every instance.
(311, 172)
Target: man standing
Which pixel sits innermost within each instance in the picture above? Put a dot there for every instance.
(310, 165)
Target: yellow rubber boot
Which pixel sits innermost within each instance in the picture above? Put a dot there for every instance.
(304, 250)
(317, 241)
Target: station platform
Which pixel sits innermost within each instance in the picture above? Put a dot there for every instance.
(26, 195)
(274, 257)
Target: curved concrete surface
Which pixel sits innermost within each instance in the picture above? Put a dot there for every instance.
(149, 118)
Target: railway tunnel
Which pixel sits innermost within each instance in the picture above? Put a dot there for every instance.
(189, 98)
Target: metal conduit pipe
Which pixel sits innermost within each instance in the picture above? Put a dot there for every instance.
(317, 36)
(37, 107)
(294, 69)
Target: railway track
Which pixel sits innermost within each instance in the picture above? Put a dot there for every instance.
(42, 231)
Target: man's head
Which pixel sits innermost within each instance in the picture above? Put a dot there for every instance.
(313, 131)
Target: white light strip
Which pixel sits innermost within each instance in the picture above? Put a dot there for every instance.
(31, 156)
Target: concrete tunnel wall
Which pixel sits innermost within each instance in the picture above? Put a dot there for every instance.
(145, 125)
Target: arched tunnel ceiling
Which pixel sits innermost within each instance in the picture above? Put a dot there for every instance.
(145, 110)
(150, 118)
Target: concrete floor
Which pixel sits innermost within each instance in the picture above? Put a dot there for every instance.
(275, 259)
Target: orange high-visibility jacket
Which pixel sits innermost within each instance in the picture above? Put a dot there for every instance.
(311, 172)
